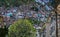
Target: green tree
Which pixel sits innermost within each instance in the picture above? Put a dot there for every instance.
(21, 28)
(34, 21)
(15, 2)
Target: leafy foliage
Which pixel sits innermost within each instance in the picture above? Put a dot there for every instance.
(3, 32)
(34, 21)
(22, 28)
(15, 2)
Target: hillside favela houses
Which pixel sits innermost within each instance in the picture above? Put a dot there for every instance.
(29, 18)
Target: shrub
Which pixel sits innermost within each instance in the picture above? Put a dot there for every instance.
(21, 28)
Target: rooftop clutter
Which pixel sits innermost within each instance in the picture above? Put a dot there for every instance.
(40, 12)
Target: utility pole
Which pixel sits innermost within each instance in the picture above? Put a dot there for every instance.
(56, 25)
(57, 12)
